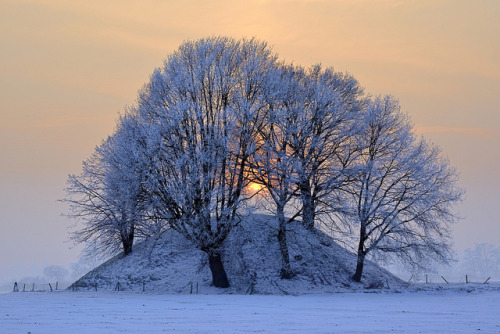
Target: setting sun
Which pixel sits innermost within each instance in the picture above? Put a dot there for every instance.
(255, 187)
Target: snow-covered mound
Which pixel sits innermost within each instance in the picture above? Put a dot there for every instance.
(251, 256)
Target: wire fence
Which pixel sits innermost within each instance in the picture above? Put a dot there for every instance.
(193, 288)
(450, 279)
(39, 287)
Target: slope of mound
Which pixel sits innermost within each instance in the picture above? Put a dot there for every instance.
(251, 255)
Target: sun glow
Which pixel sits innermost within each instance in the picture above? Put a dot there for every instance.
(254, 187)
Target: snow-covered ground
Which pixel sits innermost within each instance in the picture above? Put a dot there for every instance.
(251, 253)
(458, 309)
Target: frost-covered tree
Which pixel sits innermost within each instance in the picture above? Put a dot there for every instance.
(274, 166)
(203, 109)
(321, 132)
(403, 196)
(305, 149)
(108, 199)
(58, 273)
(481, 261)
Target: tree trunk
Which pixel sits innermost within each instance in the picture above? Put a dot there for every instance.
(219, 276)
(359, 267)
(361, 255)
(308, 209)
(128, 241)
(308, 213)
(286, 269)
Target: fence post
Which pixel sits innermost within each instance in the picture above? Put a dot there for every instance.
(426, 280)
(196, 287)
(487, 280)
(57, 285)
(33, 289)
(16, 289)
(24, 287)
(191, 290)
(445, 280)
(50, 286)
(466, 279)
(143, 286)
(95, 286)
(250, 289)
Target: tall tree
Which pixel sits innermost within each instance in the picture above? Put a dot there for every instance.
(203, 109)
(331, 105)
(273, 165)
(403, 196)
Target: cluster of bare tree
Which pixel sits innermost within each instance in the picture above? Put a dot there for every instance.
(481, 261)
(222, 114)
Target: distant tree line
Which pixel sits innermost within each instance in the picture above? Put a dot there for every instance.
(222, 115)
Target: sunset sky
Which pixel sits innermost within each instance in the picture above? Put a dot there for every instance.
(67, 68)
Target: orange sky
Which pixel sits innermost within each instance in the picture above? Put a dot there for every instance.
(68, 67)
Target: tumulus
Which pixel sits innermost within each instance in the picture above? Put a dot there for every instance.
(170, 264)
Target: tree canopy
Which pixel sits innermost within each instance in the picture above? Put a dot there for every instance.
(222, 114)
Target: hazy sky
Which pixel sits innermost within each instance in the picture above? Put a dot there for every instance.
(67, 68)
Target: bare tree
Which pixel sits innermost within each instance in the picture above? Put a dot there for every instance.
(203, 109)
(483, 260)
(323, 128)
(273, 165)
(58, 273)
(403, 196)
(304, 149)
(108, 197)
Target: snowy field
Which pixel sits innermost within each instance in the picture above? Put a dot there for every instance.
(459, 310)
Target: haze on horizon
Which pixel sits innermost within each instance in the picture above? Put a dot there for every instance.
(68, 68)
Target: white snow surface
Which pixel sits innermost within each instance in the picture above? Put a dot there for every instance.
(171, 264)
(321, 298)
(439, 309)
